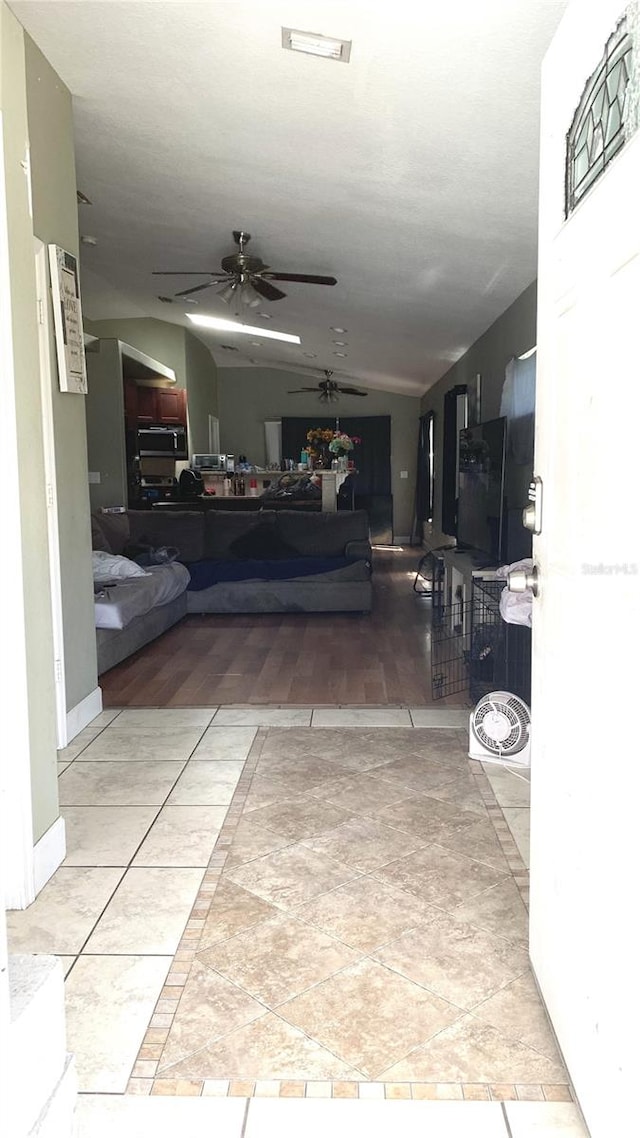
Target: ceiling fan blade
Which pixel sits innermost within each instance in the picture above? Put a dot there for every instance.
(196, 288)
(184, 273)
(268, 291)
(298, 390)
(352, 391)
(303, 278)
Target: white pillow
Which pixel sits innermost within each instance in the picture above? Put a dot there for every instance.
(109, 567)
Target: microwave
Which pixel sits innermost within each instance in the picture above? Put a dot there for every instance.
(162, 442)
(220, 462)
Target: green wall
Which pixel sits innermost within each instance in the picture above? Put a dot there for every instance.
(179, 349)
(249, 396)
(55, 220)
(32, 579)
(512, 334)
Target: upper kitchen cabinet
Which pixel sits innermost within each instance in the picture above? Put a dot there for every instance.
(171, 406)
(158, 405)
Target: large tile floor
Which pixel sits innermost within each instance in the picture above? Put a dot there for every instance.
(280, 903)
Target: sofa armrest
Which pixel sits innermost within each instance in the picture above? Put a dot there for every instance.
(358, 548)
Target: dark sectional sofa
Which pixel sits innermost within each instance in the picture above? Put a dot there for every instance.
(258, 562)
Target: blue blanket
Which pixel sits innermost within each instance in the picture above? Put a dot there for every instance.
(204, 574)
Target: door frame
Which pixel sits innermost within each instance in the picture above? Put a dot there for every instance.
(16, 817)
(45, 339)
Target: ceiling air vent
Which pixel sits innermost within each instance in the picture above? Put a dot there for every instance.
(313, 44)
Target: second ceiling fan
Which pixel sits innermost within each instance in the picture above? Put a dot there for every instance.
(329, 389)
(244, 277)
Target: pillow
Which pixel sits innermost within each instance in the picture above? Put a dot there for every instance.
(109, 567)
(262, 543)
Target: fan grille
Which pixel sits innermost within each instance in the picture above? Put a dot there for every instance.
(501, 723)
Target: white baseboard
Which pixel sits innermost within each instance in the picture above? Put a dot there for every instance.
(82, 714)
(48, 854)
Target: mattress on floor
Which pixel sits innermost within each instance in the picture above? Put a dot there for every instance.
(116, 605)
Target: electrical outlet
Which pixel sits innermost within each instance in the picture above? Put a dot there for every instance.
(94, 477)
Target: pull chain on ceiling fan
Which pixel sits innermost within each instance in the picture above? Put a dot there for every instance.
(330, 390)
(246, 280)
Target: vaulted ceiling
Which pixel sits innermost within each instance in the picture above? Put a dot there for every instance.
(408, 173)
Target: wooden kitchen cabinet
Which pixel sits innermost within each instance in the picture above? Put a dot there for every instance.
(146, 404)
(171, 406)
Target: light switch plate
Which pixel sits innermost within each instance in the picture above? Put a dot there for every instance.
(94, 477)
(404, 473)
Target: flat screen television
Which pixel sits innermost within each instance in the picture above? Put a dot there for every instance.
(481, 488)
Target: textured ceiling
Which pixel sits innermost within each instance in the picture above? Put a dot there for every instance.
(410, 173)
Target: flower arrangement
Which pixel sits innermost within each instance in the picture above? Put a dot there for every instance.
(319, 437)
(341, 444)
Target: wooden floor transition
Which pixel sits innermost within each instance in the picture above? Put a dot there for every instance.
(305, 659)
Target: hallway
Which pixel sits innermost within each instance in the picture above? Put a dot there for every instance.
(284, 903)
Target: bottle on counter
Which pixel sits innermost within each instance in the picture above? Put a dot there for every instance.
(226, 487)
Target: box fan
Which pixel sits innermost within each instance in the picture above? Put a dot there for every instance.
(499, 729)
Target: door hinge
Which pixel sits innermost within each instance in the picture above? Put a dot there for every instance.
(58, 671)
(40, 310)
(50, 495)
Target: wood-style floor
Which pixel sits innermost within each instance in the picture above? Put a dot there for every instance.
(293, 659)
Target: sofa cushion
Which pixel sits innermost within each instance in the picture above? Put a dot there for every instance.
(115, 528)
(322, 535)
(99, 539)
(222, 528)
(205, 574)
(262, 542)
(182, 529)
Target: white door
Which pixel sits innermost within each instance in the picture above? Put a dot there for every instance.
(586, 635)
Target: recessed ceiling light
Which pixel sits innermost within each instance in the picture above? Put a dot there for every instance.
(343, 355)
(265, 316)
(341, 343)
(245, 329)
(311, 43)
(255, 343)
(338, 330)
(310, 355)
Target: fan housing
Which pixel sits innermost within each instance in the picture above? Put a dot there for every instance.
(499, 729)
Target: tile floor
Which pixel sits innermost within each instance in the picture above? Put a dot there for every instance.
(278, 903)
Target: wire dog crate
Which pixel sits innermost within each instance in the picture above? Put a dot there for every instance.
(474, 651)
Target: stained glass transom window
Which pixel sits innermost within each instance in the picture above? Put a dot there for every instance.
(597, 131)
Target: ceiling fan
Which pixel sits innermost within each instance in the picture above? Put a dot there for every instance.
(243, 277)
(329, 389)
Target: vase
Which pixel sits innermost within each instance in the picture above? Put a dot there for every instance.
(343, 463)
